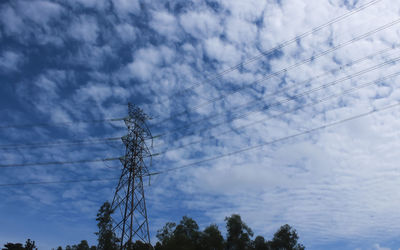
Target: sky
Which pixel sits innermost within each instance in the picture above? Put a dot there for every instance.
(221, 80)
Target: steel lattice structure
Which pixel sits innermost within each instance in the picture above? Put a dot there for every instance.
(129, 205)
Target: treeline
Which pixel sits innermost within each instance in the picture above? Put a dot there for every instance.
(186, 236)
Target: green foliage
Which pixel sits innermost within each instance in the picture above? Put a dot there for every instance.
(29, 245)
(186, 236)
(239, 233)
(83, 245)
(286, 238)
(13, 246)
(211, 238)
(106, 237)
(260, 244)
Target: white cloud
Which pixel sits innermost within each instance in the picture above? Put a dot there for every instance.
(343, 177)
(85, 29)
(125, 7)
(10, 61)
(201, 25)
(378, 247)
(165, 24)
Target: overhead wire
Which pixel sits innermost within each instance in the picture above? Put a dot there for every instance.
(284, 70)
(57, 162)
(288, 99)
(327, 98)
(258, 146)
(280, 46)
(188, 125)
(59, 123)
(196, 163)
(55, 182)
(59, 143)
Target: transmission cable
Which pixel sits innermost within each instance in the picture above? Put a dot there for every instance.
(57, 162)
(291, 98)
(59, 123)
(59, 143)
(277, 140)
(277, 73)
(269, 52)
(55, 182)
(279, 114)
(193, 164)
(279, 91)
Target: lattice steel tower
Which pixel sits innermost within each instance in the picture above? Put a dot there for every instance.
(129, 203)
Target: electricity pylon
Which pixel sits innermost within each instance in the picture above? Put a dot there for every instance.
(129, 204)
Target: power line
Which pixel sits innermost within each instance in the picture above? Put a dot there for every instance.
(268, 106)
(277, 73)
(59, 123)
(280, 114)
(55, 182)
(165, 171)
(57, 162)
(266, 53)
(58, 143)
(188, 125)
(277, 140)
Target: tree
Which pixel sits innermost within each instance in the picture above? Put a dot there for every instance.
(211, 238)
(239, 233)
(260, 244)
(30, 245)
(106, 237)
(184, 236)
(286, 238)
(139, 245)
(13, 246)
(83, 245)
(166, 234)
(187, 234)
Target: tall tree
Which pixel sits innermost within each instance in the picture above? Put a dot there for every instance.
(30, 245)
(106, 237)
(239, 233)
(260, 244)
(211, 238)
(83, 245)
(165, 235)
(184, 236)
(286, 238)
(13, 246)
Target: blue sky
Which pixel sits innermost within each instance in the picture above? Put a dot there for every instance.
(67, 61)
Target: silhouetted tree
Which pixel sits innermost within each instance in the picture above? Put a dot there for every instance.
(30, 245)
(184, 236)
(59, 248)
(139, 245)
(83, 245)
(286, 238)
(165, 235)
(260, 244)
(106, 237)
(239, 233)
(211, 239)
(13, 246)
